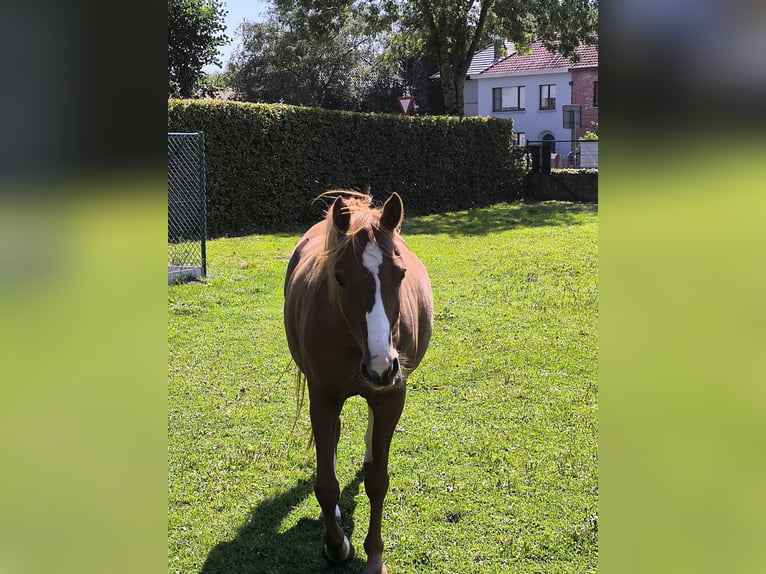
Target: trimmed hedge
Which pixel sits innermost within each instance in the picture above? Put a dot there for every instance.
(266, 163)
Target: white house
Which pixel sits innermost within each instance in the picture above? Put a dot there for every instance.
(532, 89)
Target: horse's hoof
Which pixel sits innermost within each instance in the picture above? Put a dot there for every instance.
(346, 553)
(375, 568)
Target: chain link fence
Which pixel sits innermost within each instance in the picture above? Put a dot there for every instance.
(186, 206)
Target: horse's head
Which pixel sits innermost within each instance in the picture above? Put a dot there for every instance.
(367, 272)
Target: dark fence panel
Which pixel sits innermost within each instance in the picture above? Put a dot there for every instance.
(186, 206)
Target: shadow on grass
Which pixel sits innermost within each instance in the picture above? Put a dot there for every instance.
(260, 547)
(484, 220)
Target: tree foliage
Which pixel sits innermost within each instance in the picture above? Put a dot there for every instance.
(195, 31)
(301, 58)
(451, 31)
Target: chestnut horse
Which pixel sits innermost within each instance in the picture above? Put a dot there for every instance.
(358, 318)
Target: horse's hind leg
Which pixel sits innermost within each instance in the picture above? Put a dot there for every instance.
(325, 423)
(386, 408)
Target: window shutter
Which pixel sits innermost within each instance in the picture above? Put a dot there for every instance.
(522, 97)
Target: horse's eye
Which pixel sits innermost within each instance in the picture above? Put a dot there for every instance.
(339, 280)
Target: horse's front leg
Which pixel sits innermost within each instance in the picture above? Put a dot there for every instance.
(386, 408)
(325, 424)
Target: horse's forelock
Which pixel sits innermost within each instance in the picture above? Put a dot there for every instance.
(363, 216)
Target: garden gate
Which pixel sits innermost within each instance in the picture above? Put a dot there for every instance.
(186, 206)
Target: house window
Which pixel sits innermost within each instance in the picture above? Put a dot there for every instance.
(595, 94)
(520, 138)
(548, 97)
(508, 99)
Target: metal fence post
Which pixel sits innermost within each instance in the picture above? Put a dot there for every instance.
(203, 206)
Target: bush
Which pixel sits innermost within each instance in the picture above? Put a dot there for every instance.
(591, 135)
(266, 163)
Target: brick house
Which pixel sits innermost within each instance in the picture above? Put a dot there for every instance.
(585, 95)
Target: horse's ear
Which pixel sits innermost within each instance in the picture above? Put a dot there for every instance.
(393, 212)
(341, 218)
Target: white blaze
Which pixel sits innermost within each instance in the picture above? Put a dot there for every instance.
(378, 329)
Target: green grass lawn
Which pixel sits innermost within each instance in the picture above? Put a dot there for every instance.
(494, 465)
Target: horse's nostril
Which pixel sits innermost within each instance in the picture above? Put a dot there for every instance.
(395, 366)
(365, 372)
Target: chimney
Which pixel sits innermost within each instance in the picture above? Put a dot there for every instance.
(497, 48)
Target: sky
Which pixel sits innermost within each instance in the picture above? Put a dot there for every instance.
(239, 10)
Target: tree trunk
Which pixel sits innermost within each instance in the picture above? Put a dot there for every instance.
(454, 67)
(448, 88)
(453, 89)
(460, 94)
(462, 64)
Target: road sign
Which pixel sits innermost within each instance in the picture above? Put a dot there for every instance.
(405, 103)
(572, 117)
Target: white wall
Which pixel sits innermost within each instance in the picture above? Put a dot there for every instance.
(471, 99)
(533, 121)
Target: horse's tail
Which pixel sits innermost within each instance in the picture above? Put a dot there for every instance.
(300, 393)
(300, 398)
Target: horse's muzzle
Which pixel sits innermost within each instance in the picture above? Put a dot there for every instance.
(390, 376)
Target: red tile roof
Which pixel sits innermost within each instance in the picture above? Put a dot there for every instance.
(541, 59)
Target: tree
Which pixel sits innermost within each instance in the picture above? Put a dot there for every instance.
(291, 57)
(451, 31)
(195, 31)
